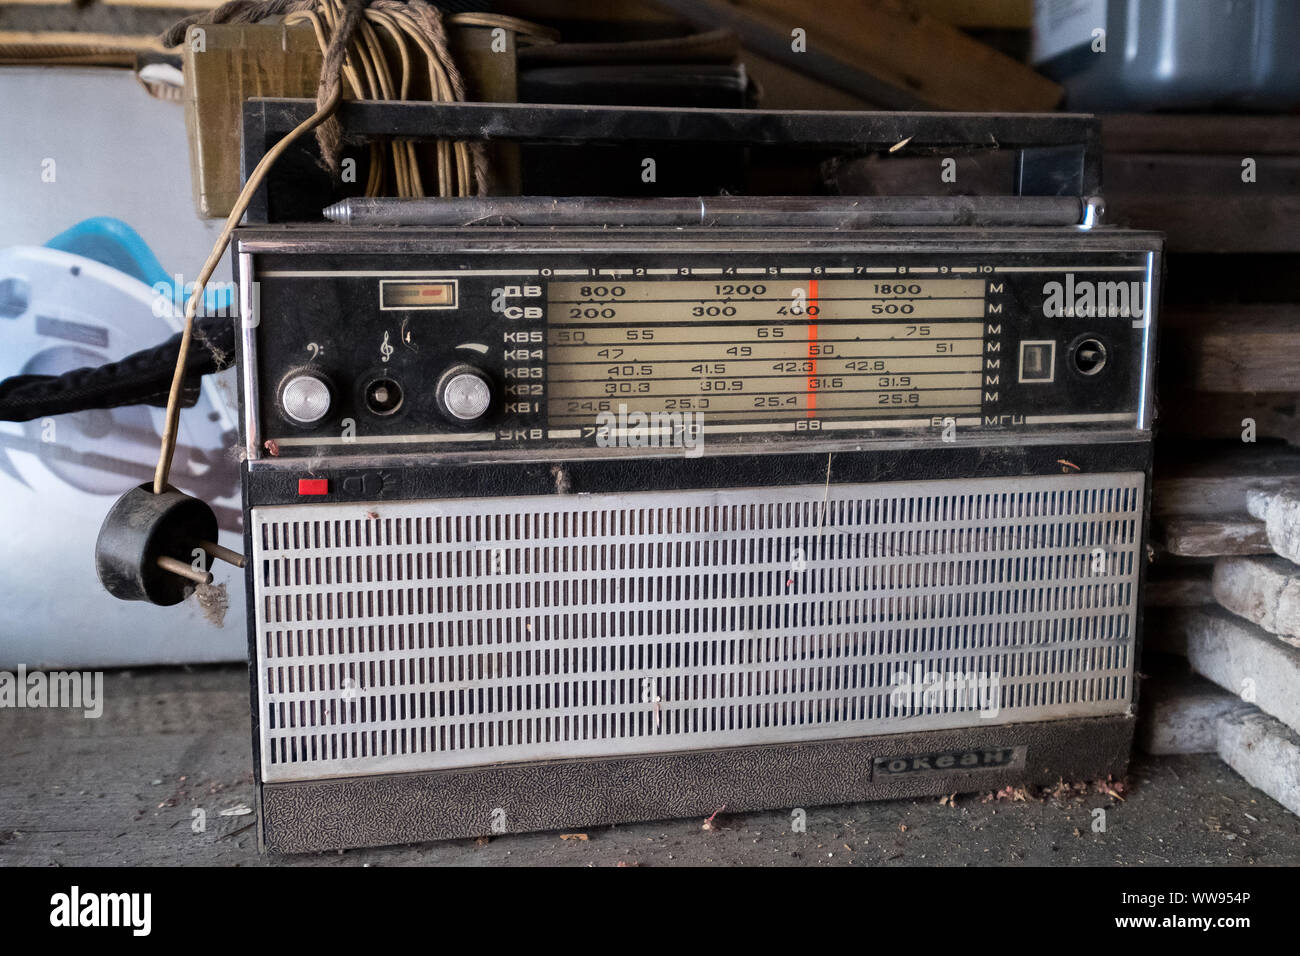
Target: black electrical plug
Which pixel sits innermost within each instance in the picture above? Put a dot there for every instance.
(145, 550)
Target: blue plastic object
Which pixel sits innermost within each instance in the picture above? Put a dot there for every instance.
(115, 244)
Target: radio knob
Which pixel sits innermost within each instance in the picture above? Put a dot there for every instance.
(464, 393)
(305, 398)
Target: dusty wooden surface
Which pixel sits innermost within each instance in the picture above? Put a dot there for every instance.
(1212, 537)
(122, 789)
(1214, 479)
(1231, 348)
(1264, 590)
(1179, 586)
(1231, 134)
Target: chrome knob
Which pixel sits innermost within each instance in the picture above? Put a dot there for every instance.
(305, 398)
(464, 393)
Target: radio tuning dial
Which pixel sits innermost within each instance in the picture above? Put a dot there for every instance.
(305, 398)
(464, 394)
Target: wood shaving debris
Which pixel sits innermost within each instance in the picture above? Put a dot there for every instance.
(1111, 788)
(1061, 791)
(574, 836)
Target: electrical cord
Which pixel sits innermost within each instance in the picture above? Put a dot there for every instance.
(141, 378)
(148, 539)
(145, 377)
(352, 50)
(383, 40)
(172, 418)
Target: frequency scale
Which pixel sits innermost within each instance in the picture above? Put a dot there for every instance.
(769, 343)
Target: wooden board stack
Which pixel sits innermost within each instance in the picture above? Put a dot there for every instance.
(1225, 600)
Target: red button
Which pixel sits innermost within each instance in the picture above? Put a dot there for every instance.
(313, 486)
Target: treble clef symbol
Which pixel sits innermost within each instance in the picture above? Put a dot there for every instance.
(386, 350)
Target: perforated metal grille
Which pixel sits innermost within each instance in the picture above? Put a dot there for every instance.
(429, 634)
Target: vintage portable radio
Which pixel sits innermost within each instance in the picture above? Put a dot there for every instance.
(593, 512)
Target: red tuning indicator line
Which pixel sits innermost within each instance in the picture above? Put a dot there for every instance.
(811, 400)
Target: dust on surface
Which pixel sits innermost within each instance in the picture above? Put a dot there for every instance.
(213, 601)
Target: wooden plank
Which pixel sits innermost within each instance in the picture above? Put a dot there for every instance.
(880, 52)
(1181, 587)
(162, 4)
(1183, 133)
(93, 18)
(1201, 416)
(1263, 590)
(1265, 751)
(1215, 482)
(120, 60)
(1232, 348)
(596, 11)
(916, 51)
(238, 62)
(1203, 537)
(782, 88)
(988, 14)
(185, 5)
(24, 43)
(1237, 654)
(1212, 223)
(1196, 319)
(1279, 509)
(771, 38)
(1161, 174)
(1180, 712)
(1202, 203)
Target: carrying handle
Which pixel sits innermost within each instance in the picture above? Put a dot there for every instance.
(1059, 154)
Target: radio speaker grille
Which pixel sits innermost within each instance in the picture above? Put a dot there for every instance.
(422, 635)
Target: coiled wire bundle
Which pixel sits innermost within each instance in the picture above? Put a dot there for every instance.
(386, 50)
(401, 52)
